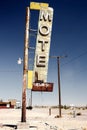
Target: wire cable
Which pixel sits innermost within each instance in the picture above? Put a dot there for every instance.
(75, 58)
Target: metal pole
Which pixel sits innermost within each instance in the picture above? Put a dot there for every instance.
(25, 66)
(59, 89)
(31, 98)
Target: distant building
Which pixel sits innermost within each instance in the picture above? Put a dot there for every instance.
(15, 103)
(6, 105)
(11, 103)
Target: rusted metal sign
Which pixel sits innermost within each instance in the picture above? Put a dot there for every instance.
(43, 45)
(46, 87)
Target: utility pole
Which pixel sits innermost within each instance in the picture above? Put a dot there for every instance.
(59, 87)
(58, 62)
(25, 66)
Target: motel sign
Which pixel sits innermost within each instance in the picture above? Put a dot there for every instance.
(43, 45)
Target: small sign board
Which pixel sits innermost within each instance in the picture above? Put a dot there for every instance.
(45, 87)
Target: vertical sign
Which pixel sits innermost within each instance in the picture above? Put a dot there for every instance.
(43, 45)
(30, 77)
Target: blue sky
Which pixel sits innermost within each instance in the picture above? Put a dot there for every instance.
(69, 37)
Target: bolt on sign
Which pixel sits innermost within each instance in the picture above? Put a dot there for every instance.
(43, 45)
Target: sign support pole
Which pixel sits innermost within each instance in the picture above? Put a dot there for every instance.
(25, 67)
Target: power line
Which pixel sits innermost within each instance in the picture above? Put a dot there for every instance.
(75, 58)
(12, 71)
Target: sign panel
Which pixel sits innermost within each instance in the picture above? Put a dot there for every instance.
(46, 87)
(30, 79)
(43, 45)
(38, 6)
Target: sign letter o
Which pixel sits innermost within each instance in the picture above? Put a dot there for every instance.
(44, 30)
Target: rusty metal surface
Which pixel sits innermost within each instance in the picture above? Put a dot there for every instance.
(45, 87)
(25, 66)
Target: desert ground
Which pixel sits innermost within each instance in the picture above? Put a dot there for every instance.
(40, 119)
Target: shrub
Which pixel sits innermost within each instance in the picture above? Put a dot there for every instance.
(78, 114)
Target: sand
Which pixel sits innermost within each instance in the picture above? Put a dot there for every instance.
(39, 119)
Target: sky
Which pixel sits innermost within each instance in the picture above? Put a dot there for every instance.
(69, 37)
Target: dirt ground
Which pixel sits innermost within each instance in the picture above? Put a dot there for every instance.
(40, 119)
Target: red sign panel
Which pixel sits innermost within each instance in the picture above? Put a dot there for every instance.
(46, 87)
